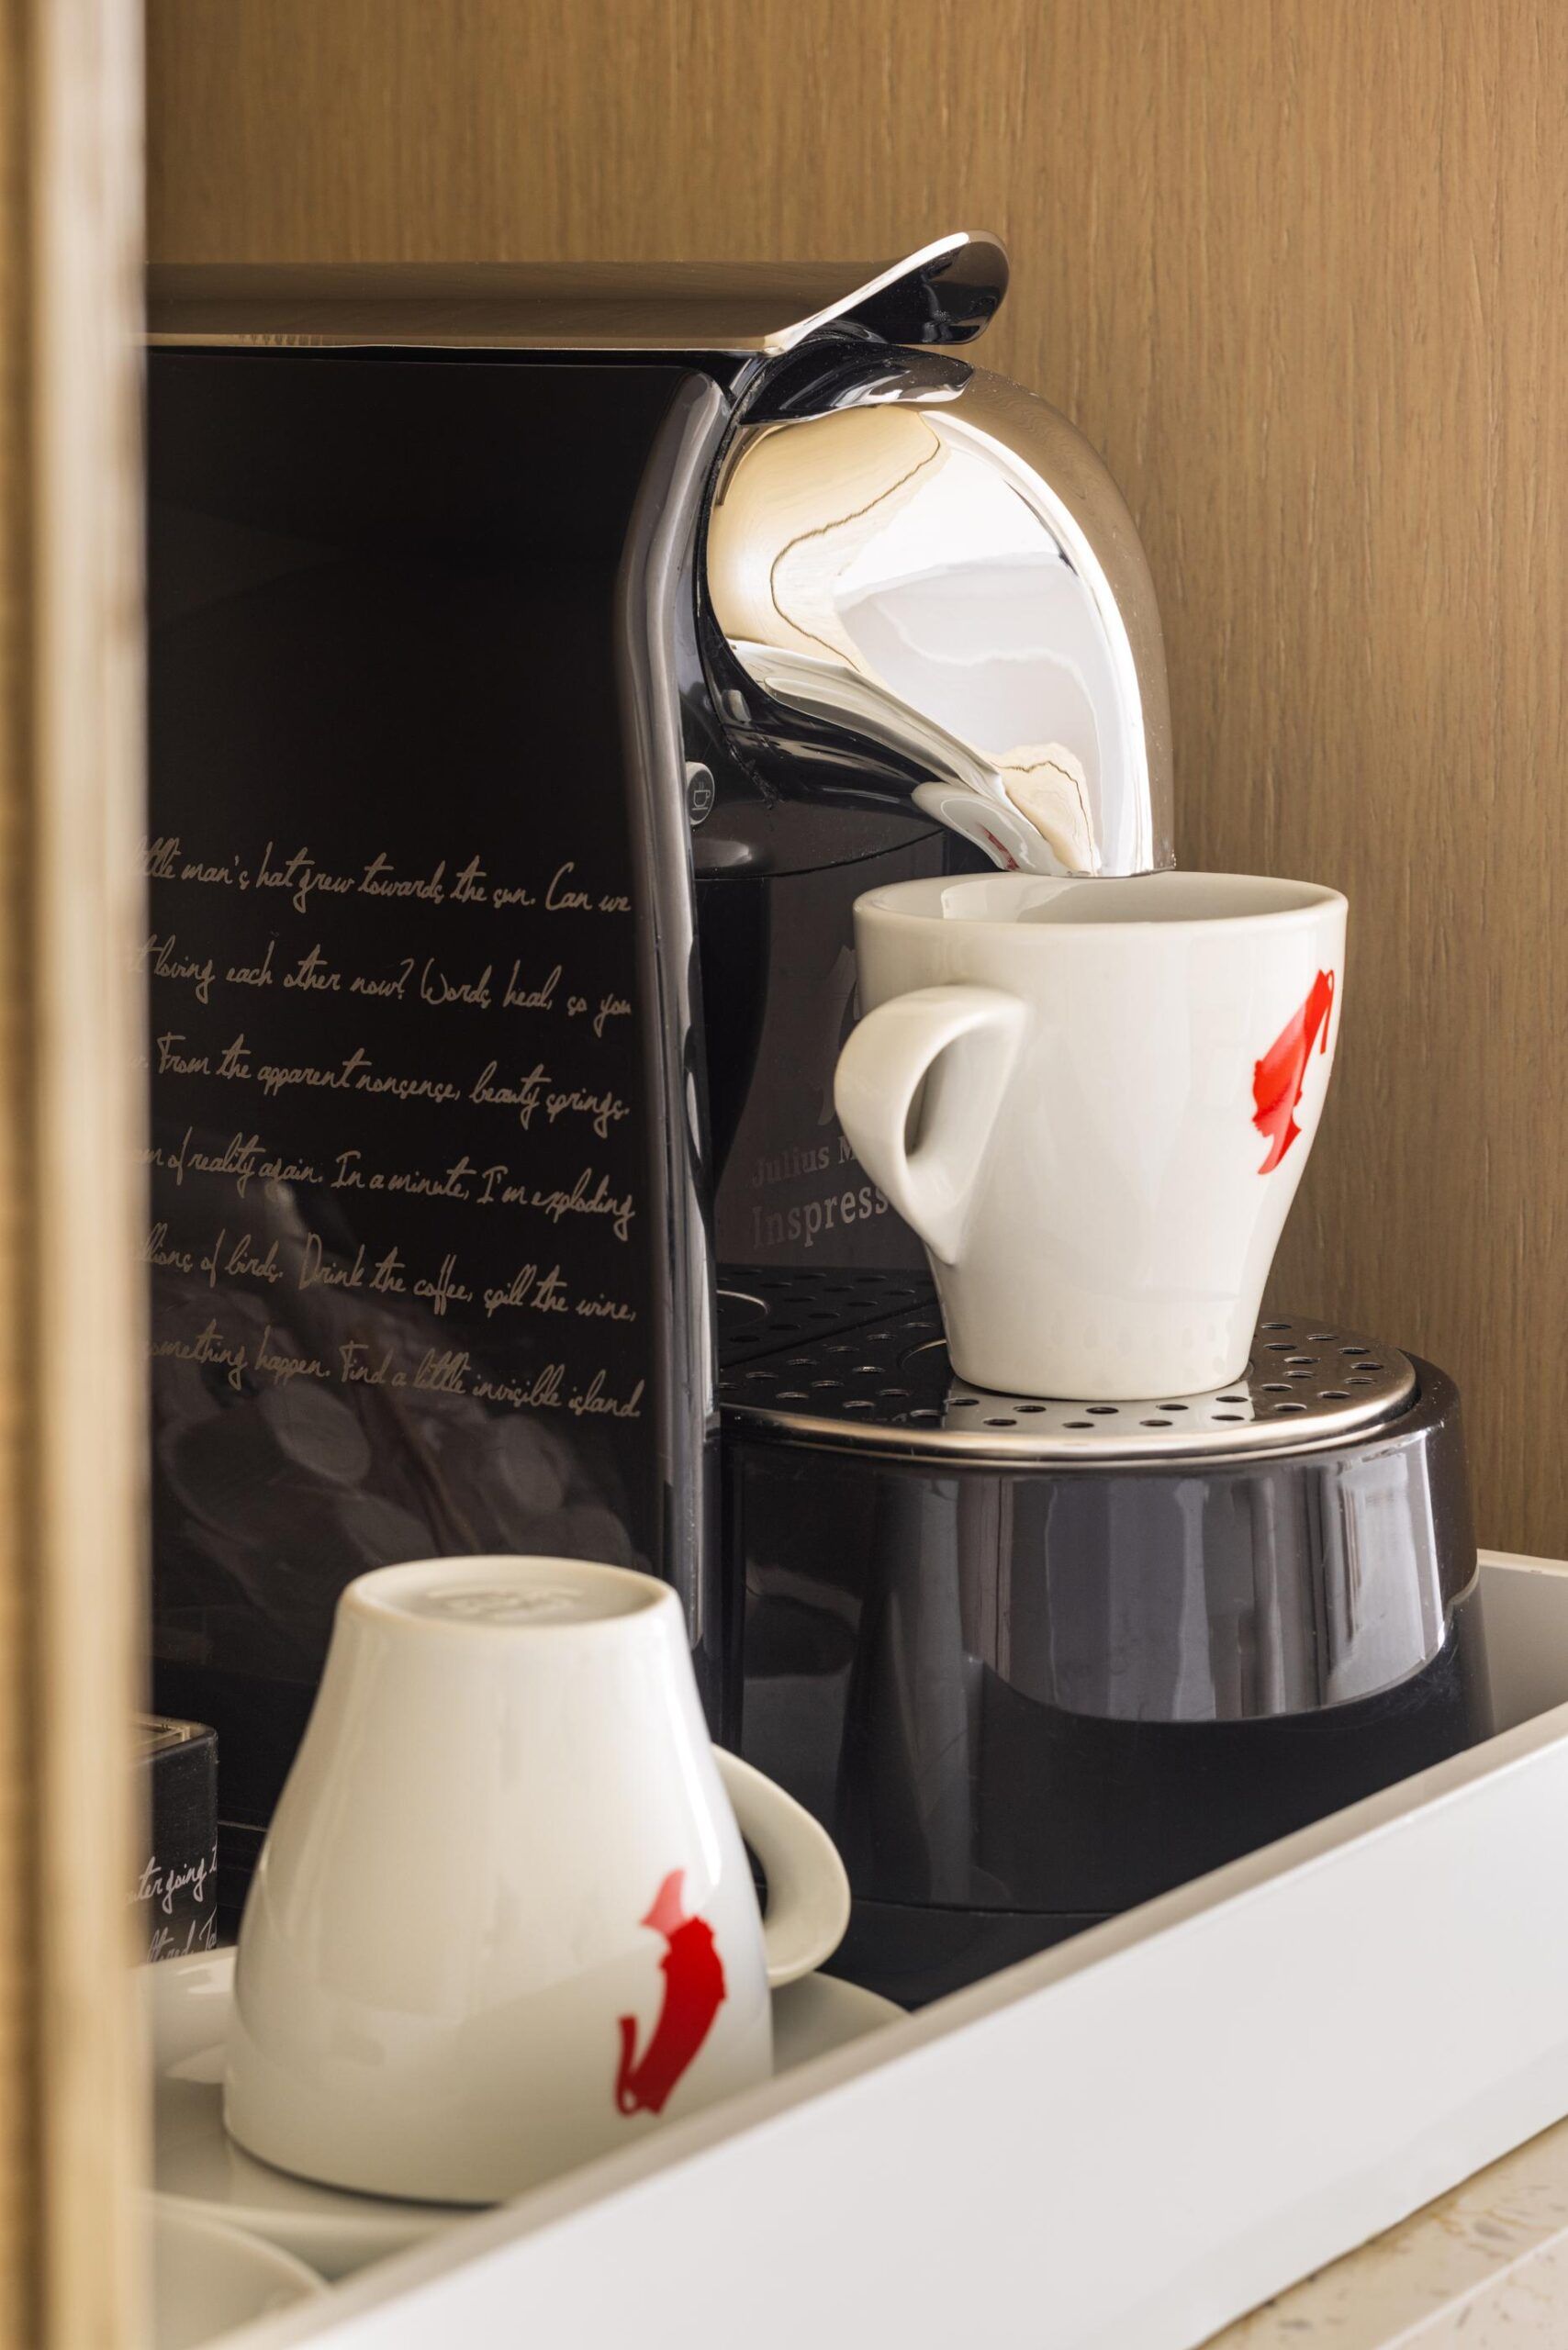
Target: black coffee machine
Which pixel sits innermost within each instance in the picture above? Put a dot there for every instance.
(542, 664)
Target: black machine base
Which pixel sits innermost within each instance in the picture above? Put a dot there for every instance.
(1030, 1679)
(1177, 1801)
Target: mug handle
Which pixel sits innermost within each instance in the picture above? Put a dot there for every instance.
(880, 1072)
(808, 1892)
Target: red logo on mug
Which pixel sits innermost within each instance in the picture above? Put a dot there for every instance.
(1278, 1078)
(694, 1992)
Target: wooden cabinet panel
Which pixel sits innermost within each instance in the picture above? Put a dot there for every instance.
(72, 1367)
(1296, 267)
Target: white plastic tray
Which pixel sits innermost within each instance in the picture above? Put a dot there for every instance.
(1120, 2145)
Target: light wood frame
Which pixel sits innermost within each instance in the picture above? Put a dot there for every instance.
(71, 1353)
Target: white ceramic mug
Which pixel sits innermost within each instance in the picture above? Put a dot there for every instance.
(504, 1920)
(1113, 1087)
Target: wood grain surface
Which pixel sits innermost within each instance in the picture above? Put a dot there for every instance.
(72, 1362)
(20, 2115)
(1297, 267)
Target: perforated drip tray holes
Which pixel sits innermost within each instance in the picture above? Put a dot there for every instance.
(762, 1308)
(839, 1372)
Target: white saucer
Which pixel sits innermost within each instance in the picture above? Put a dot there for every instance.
(199, 2169)
(208, 2278)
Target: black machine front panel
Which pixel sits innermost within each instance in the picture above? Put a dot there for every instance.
(779, 957)
(409, 1287)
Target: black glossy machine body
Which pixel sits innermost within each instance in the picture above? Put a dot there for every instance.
(499, 954)
(494, 977)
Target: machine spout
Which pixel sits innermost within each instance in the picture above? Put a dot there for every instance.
(932, 589)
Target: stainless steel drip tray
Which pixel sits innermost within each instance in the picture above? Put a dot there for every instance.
(887, 1383)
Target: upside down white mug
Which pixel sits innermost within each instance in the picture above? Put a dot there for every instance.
(504, 1920)
(1113, 1087)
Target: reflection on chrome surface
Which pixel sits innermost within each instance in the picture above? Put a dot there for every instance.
(941, 564)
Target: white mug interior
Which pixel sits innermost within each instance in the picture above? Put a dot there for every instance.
(1037, 899)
